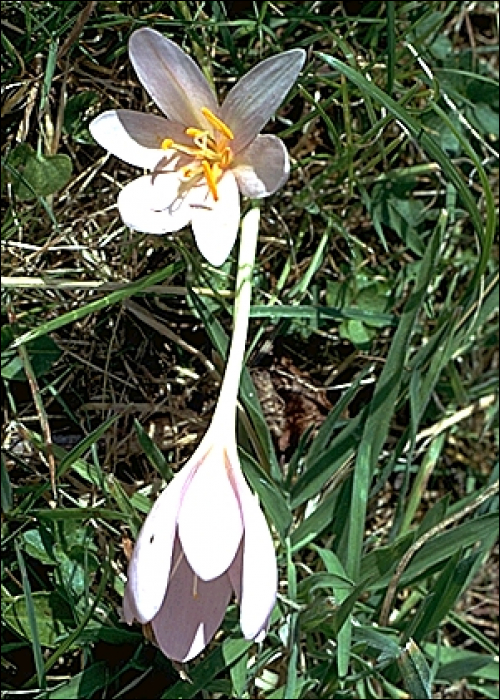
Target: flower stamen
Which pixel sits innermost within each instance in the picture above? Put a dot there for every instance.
(210, 155)
(217, 123)
(210, 172)
(194, 133)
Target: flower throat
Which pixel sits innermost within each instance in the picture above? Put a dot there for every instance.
(211, 156)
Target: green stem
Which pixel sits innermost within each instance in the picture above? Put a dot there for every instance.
(229, 390)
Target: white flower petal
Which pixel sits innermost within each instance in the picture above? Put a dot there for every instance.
(149, 567)
(171, 77)
(153, 204)
(262, 168)
(256, 97)
(136, 138)
(259, 573)
(215, 224)
(209, 524)
(191, 612)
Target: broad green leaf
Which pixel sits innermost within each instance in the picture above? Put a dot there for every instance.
(38, 176)
(357, 333)
(39, 543)
(53, 616)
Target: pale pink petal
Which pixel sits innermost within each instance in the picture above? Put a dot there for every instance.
(155, 204)
(255, 98)
(191, 612)
(259, 573)
(209, 523)
(149, 567)
(136, 138)
(215, 224)
(262, 168)
(171, 77)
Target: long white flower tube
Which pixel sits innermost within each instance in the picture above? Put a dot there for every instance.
(206, 536)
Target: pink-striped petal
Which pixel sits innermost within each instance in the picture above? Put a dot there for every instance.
(215, 224)
(192, 611)
(255, 98)
(262, 168)
(171, 77)
(209, 523)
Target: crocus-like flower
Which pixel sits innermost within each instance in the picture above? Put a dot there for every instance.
(206, 537)
(201, 154)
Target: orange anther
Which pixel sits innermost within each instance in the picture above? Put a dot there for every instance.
(166, 144)
(210, 177)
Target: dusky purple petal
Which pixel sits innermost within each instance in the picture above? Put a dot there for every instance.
(171, 77)
(209, 523)
(136, 138)
(262, 167)
(235, 573)
(215, 224)
(255, 98)
(192, 610)
(259, 572)
(149, 567)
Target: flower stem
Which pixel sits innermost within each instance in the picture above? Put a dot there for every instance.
(248, 244)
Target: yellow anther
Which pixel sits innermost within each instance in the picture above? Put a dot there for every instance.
(166, 144)
(225, 157)
(210, 177)
(218, 123)
(194, 133)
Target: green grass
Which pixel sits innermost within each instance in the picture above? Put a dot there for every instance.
(369, 425)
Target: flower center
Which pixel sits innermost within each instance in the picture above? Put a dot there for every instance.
(211, 156)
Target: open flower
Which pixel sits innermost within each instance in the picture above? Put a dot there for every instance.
(201, 154)
(204, 539)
